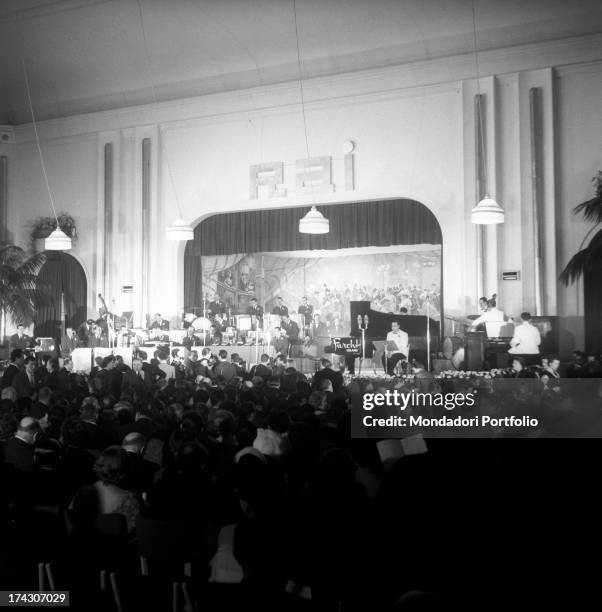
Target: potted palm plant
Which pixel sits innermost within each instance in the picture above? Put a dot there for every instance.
(42, 227)
(588, 257)
(21, 292)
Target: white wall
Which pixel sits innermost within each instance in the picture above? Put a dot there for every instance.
(414, 134)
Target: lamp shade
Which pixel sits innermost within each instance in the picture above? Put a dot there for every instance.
(487, 212)
(180, 230)
(314, 222)
(57, 241)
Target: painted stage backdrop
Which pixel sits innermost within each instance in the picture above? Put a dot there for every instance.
(387, 278)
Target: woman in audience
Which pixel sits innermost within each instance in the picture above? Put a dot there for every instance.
(106, 496)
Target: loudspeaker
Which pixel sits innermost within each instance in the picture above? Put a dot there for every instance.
(475, 350)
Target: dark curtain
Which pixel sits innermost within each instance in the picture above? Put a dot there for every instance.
(62, 275)
(355, 224)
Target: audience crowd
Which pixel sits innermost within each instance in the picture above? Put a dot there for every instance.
(277, 503)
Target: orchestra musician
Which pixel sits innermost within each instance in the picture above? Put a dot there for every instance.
(98, 338)
(20, 340)
(159, 323)
(84, 331)
(291, 330)
(318, 328)
(280, 309)
(490, 315)
(526, 340)
(69, 342)
(255, 310)
(307, 310)
(217, 306)
(400, 340)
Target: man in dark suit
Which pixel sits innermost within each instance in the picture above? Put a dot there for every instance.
(20, 340)
(307, 310)
(216, 306)
(262, 369)
(291, 331)
(280, 308)
(25, 382)
(84, 331)
(136, 379)
(254, 309)
(223, 367)
(13, 368)
(140, 472)
(159, 323)
(326, 372)
(69, 342)
(18, 451)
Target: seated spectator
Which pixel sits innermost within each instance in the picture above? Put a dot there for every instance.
(18, 450)
(106, 495)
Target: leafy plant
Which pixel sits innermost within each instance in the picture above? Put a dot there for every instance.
(42, 227)
(586, 258)
(21, 292)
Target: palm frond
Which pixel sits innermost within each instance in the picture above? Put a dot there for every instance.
(575, 268)
(584, 260)
(591, 210)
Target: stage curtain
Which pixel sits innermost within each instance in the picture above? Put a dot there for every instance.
(355, 224)
(62, 274)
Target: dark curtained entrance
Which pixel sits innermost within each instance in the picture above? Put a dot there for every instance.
(356, 224)
(66, 281)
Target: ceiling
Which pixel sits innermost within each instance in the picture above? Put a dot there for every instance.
(89, 55)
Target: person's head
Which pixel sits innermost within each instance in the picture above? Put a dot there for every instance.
(395, 326)
(45, 395)
(525, 316)
(134, 442)
(111, 467)
(47, 454)
(280, 301)
(28, 430)
(90, 409)
(553, 363)
(483, 303)
(265, 358)
(518, 364)
(279, 360)
(9, 393)
(286, 318)
(109, 362)
(253, 301)
(137, 364)
(304, 300)
(316, 317)
(403, 310)
(214, 329)
(491, 304)
(545, 362)
(325, 363)
(193, 356)
(223, 355)
(17, 356)
(20, 329)
(157, 316)
(30, 365)
(190, 331)
(70, 331)
(52, 365)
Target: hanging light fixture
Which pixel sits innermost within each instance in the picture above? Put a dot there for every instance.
(58, 240)
(314, 222)
(179, 230)
(487, 211)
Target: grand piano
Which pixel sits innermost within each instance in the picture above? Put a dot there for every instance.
(378, 324)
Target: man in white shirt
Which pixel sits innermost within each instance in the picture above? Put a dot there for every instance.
(526, 340)
(491, 314)
(400, 339)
